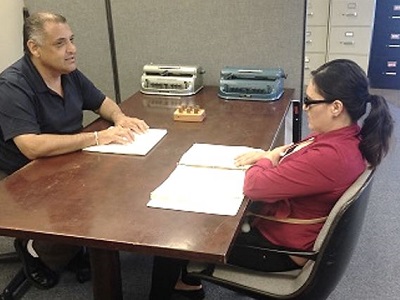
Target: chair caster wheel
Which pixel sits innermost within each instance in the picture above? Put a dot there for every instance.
(6, 296)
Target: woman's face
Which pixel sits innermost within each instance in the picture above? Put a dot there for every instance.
(318, 114)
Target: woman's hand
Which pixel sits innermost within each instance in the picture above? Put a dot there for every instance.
(252, 157)
(249, 158)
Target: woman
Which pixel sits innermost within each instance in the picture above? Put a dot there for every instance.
(302, 181)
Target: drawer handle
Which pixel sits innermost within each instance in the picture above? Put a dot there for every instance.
(390, 73)
(347, 43)
(354, 14)
(308, 41)
(395, 17)
(394, 46)
(310, 14)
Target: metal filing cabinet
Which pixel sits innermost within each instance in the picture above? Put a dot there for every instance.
(344, 30)
(350, 30)
(316, 36)
(384, 66)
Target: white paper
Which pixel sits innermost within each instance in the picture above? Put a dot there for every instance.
(142, 144)
(201, 190)
(206, 180)
(214, 156)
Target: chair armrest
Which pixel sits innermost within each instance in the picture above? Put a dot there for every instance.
(312, 255)
(204, 269)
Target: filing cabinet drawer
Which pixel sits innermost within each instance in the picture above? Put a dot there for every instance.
(388, 38)
(361, 60)
(317, 12)
(384, 73)
(347, 40)
(311, 62)
(388, 12)
(394, 14)
(386, 44)
(352, 12)
(316, 39)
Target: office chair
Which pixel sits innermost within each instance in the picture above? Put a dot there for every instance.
(19, 284)
(329, 258)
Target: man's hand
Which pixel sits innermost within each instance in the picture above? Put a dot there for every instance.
(109, 110)
(134, 124)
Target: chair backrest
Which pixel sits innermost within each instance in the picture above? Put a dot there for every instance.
(337, 239)
(316, 280)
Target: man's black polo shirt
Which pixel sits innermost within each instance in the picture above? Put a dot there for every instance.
(27, 105)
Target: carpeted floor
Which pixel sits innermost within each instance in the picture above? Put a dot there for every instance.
(372, 274)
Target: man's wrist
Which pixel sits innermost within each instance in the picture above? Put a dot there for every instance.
(115, 116)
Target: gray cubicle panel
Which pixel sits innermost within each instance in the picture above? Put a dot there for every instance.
(213, 34)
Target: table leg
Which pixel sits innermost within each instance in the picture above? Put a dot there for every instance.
(106, 274)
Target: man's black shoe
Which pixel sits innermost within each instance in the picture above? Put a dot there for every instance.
(80, 265)
(35, 270)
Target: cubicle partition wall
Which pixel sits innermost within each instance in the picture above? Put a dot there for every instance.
(213, 34)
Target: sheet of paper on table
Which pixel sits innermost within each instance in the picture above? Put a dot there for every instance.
(142, 144)
(206, 180)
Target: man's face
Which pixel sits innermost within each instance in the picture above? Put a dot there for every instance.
(57, 52)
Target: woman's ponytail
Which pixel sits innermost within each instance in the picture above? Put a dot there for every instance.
(376, 131)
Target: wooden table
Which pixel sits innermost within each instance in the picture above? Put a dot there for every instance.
(99, 200)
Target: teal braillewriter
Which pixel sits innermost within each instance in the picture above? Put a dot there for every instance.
(251, 83)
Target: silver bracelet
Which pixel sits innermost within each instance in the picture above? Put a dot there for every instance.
(96, 137)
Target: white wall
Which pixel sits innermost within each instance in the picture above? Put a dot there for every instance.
(11, 22)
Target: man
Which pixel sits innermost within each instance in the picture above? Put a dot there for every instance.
(42, 98)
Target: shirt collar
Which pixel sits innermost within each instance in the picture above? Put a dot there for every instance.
(33, 75)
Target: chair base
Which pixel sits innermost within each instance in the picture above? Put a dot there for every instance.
(17, 287)
(20, 284)
(9, 257)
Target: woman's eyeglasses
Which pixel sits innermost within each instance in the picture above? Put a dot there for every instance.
(307, 101)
